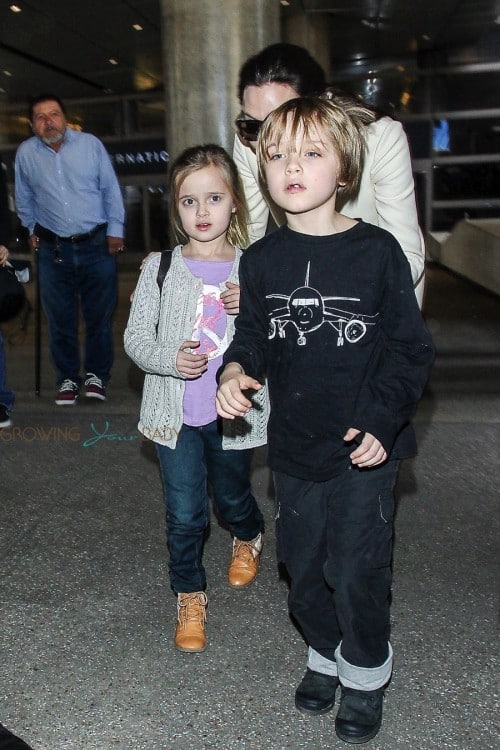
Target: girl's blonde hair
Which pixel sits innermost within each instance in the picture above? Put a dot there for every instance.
(198, 157)
(345, 128)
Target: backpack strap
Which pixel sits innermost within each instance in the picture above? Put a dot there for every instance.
(166, 260)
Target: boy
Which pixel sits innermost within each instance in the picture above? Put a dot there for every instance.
(328, 312)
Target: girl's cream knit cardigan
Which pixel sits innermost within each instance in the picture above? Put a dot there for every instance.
(155, 331)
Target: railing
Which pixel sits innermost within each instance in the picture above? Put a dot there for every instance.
(464, 180)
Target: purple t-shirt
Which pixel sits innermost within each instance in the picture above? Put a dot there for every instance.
(210, 329)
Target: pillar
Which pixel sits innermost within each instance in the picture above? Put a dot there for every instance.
(309, 30)
(204, 45)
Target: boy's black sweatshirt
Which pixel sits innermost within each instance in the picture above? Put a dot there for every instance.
(334, 324)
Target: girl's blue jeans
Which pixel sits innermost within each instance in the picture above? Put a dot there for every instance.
(197, 460)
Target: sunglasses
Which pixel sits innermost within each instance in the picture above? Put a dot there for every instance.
(248, 128)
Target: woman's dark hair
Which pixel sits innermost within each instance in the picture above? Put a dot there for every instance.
(47, 97)
(283, 63)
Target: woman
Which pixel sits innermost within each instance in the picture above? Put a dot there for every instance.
(386, 195)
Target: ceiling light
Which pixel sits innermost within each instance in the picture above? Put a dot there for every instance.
(137, 27)
(285, 2)
(113, 61)
(15, 8)
(7, 73)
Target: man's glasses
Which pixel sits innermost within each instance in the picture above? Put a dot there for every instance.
(248, 128)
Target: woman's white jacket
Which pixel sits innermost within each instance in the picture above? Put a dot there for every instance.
(156, 328)
(386, 195)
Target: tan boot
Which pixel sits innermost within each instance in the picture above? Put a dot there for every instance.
(244, 562)
(191, 616)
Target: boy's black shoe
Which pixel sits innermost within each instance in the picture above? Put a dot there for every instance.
(360, 715)
(316, 693)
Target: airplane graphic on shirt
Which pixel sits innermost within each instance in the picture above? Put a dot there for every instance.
(307, 309)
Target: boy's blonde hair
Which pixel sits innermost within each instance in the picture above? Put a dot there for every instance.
(344, 127)
(196, 158)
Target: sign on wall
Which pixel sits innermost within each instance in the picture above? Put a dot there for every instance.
(138, 156)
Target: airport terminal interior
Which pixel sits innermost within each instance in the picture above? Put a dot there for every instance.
(86, 613)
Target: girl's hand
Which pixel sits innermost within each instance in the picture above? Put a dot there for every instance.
(230, 400)
(189, 365)
(231, 298)
(369, 453)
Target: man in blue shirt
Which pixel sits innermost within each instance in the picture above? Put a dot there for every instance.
(69, 199)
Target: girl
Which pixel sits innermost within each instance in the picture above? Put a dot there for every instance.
(178, 335)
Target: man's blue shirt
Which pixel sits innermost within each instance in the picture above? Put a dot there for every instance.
(68, 191)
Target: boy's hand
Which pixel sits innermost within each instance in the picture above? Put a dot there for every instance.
(230, 400)
(231, 298)
(369, 453)
(190, 366)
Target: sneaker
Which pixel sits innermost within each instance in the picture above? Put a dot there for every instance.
(360, 715)
(244, 564)
(94, 387)
(5, 420)
(191, 617)
(316, 692)
(68, 393)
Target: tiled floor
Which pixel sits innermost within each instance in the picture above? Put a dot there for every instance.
(86, 615)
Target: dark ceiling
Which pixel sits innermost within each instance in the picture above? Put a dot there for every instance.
(67, 45)
(373, 30)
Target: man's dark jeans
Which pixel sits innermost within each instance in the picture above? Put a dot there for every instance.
(198, 457)
(73, 275)
(335, 539)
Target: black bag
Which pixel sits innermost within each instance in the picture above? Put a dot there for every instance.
(12, 294)
(166, 260)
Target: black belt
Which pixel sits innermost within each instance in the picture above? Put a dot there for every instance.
(49, 236)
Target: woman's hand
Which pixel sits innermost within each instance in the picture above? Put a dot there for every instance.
(231, 298)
